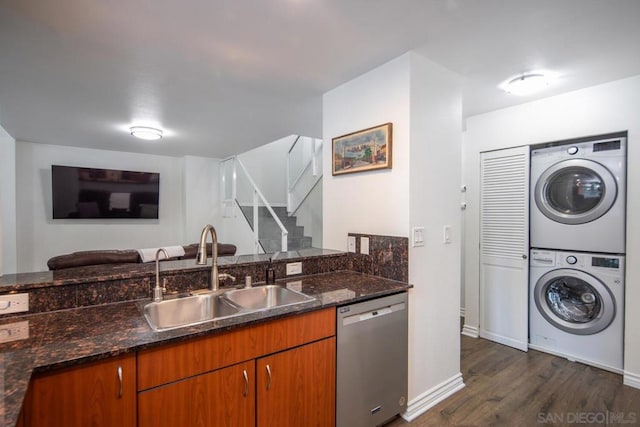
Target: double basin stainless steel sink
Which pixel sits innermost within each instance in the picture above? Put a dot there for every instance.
(196, 309)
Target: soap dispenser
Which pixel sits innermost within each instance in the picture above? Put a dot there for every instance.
(270, 274)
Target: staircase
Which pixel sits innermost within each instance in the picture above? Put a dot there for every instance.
(269, 233)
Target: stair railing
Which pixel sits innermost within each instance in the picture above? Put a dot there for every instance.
(305, 154)
(258, 200)
(228, 186)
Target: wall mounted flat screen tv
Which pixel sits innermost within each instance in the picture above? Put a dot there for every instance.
(104, 193)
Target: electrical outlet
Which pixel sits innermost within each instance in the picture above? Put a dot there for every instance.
(294, 268)
(14, 303)
(364, 245)
(14, 331)
(351, 243)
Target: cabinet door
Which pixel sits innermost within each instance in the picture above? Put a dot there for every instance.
(225, 397)
(297, 387)
(95, 394)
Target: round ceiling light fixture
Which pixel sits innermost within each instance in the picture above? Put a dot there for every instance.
(145, 132)
(527, 84)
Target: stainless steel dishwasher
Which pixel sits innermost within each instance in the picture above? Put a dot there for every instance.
(372, 353)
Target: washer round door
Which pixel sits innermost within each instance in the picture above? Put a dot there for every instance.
(575, 191)
(574, 301)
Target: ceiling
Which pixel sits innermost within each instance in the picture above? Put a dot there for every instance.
(223, 76)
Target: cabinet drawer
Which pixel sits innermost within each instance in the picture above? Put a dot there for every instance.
(173, 362)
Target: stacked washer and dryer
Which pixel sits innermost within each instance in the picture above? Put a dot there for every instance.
(577, 237)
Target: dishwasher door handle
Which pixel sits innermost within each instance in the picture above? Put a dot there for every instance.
(372, 314)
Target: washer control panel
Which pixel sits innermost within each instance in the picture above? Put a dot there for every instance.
(539, 257)
(571, 260)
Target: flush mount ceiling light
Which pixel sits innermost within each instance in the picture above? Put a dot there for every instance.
(144, 132)
(527, 84)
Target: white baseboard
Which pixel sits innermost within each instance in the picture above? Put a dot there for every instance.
(432, 397)
(462, 311)
(574, 358)
(631, 379)
(501, 339)
(470, 331)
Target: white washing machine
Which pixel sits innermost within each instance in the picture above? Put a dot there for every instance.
(576, 306)
(578, 193)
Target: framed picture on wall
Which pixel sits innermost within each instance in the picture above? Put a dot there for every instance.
(364, 150)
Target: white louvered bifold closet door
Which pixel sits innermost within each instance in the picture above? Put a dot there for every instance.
(504, 246)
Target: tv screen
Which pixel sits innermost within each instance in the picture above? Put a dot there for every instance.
(104, 193)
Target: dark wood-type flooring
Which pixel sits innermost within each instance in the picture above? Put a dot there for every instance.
(508, 387)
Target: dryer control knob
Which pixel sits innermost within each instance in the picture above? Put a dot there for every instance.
(572, 150)
(571, 260)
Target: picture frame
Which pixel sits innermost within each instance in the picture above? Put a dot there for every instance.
(364, 150)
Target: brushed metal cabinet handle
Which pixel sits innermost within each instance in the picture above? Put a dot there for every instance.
(119, 381)
(268, 377)
(246, 383)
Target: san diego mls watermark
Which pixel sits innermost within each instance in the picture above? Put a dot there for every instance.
(603, 418)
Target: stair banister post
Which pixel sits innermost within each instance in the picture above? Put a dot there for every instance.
(234, 180)
(256, 235)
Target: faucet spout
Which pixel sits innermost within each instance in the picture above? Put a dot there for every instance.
(157, 290)
(201, 258)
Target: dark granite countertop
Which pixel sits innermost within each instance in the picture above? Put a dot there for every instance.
(67, 337)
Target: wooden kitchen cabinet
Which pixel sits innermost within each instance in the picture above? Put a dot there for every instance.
(297, 387)
(225, 397)
(202, 381)
(100, 393)
(172, 362)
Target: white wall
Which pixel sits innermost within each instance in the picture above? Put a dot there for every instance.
(183, 210)
(7, 203)
(375, 202)
(600, 109)
(267, 165)
(423, 102)
(201, 197)
(436, 135)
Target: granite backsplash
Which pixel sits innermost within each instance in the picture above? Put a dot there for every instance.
(178, 277)
(388, 257)
(96, 285)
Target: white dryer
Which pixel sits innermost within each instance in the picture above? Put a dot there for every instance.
(576, 306)
(578, 193)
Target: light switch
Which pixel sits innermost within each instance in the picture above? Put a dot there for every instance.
(351, 243)
(446, 234)
(364, 245)
(417, 236)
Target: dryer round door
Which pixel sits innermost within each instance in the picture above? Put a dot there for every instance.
(575, 191)
(574, 301)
